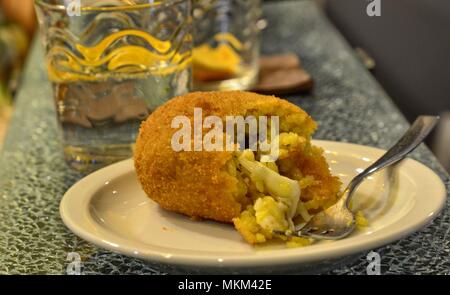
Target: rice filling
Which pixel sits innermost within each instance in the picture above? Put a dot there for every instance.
(276, 203)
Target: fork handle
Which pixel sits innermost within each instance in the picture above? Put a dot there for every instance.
(418, 131)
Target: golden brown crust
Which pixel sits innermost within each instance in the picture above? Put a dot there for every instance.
(196, 183)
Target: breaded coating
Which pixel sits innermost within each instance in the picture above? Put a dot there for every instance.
(200, 184)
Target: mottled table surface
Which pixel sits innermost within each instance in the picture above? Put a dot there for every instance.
(348, 104)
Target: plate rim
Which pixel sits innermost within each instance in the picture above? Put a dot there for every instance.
(280, 258)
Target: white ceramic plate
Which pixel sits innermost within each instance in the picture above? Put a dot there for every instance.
(109, 209)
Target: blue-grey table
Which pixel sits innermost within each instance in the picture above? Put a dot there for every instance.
(347, 102)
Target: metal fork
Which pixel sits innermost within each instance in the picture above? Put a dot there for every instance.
(338, 221)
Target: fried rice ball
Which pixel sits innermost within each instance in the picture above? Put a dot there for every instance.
(213, 185)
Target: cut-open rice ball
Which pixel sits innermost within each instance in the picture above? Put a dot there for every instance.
(237, 187)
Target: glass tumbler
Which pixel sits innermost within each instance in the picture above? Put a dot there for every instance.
(226, 44)
(111, 63)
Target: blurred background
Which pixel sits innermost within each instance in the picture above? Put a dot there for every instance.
(407, 49)
(17, 27)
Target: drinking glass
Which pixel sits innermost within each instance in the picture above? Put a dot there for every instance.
(227, 44)
(111, 63)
